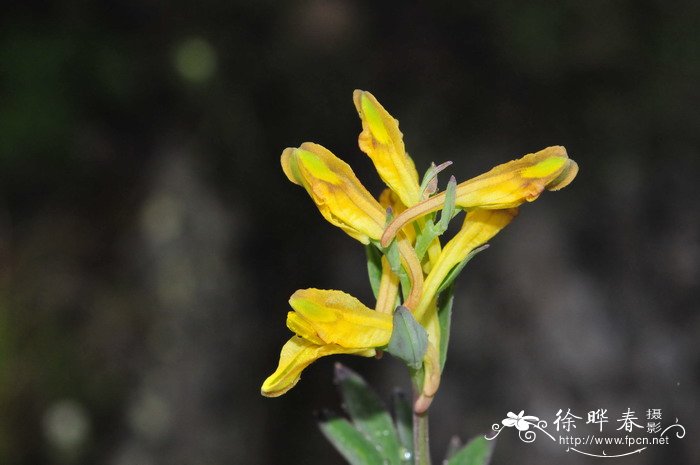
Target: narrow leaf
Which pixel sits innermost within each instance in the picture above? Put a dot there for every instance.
(368, 414)
(403, 417)
(425, 237)
(449, 210)
(347, 440)
(458, 269)
(405, 284)
(430, 230)
(477, 452)
(374, 267)
(409, 340)
(444, 310)
(392, 254)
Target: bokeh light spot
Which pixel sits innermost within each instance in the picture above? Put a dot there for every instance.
(66, 425)
(195, 60)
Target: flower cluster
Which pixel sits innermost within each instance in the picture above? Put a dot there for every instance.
(402, 225)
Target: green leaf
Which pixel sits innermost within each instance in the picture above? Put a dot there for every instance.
(425, 237)
(430, 229)
(444, 309)
(394, 257)
(458, 269)
(374, 267)
(448, 211)
(403, 417)
(368, 414)
(477, 452)
(347, 440)
(405, 284)
(409, 340)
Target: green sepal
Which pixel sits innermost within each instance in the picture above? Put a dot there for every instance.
(368, 414)
(348, 441)
(374, 267)
(477, 452)
(454, 272)
(444, 309)
(403, 418)
(409, 340)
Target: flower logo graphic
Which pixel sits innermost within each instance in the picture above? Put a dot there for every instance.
(520, 421)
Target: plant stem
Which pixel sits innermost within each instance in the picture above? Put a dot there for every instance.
(421, 444)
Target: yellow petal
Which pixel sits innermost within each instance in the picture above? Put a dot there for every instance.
(510, 184)
(302, 328)
(296, 355)
(389, 199)
(336, 191)
(339, 318)
(382, 141)
(565, 178)
(388, 289)
(505, 186)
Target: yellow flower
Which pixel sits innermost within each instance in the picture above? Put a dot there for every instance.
(329, 322)
(326, 322)
(336, 191)
(382, 141)
(505, 186)
(344, 202)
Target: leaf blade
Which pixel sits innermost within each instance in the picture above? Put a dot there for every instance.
(445, 300)
(403, 417)
(349, 442)
(368, 413)
(374, 267)
(478, 451)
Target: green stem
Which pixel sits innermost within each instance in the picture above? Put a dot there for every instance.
(421, 444)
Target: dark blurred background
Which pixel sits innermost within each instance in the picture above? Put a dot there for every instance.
(149, 240)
